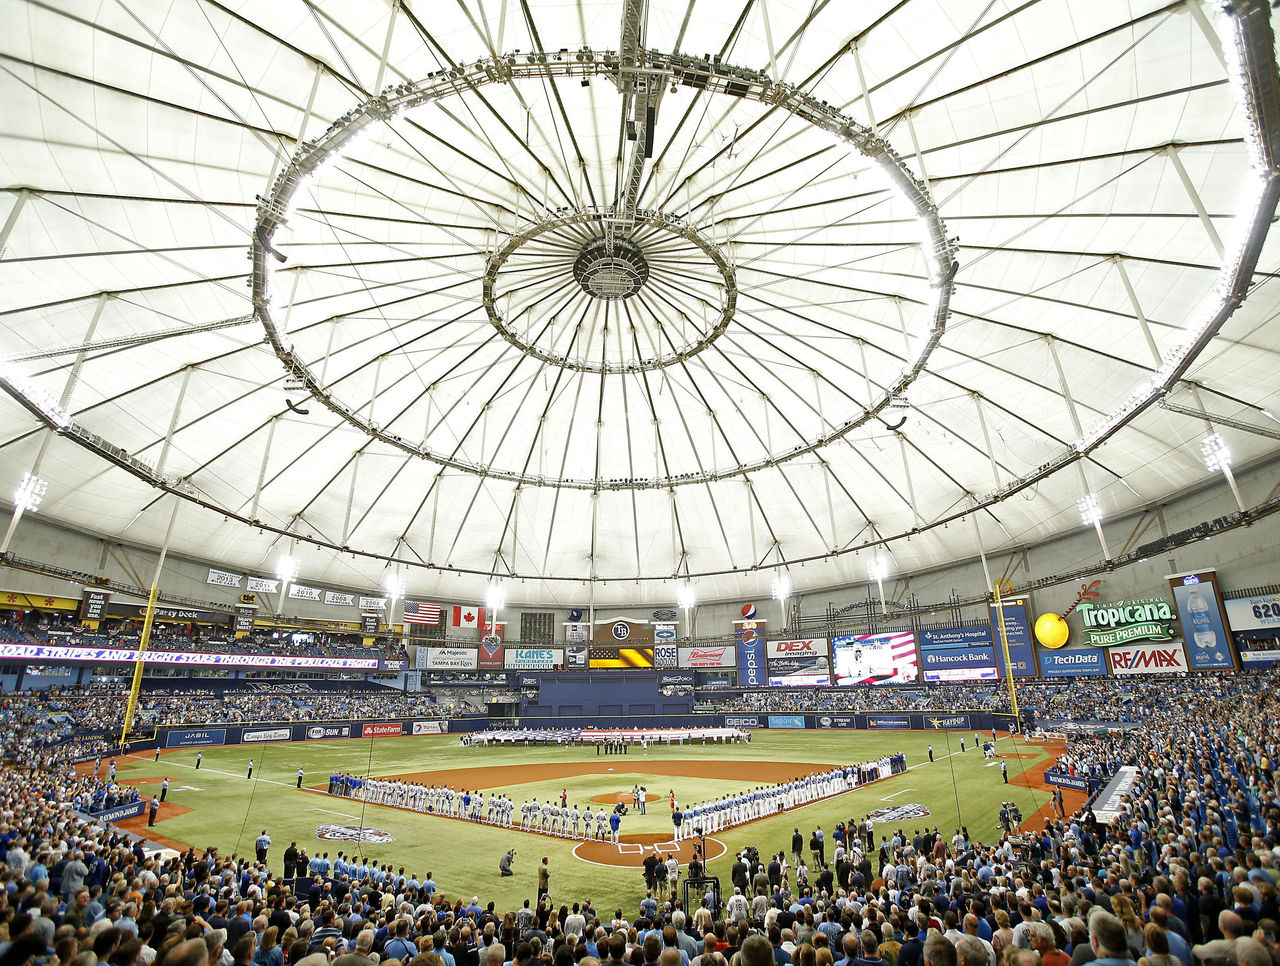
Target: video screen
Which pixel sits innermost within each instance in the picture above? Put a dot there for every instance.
(875, 658)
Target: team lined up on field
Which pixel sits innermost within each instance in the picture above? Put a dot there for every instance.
(557, 818)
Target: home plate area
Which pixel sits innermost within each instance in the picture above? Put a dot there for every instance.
(630, 851)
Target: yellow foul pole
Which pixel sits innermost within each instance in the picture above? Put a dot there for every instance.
(1002, 587)
(147, 621)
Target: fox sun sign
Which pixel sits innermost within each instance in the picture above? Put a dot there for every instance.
(1127, 621)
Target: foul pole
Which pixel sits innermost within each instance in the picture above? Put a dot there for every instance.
(146, 628)
(1002, 587)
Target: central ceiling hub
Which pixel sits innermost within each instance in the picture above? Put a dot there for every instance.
(611, 270)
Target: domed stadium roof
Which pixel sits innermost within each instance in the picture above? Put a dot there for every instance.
(629, 292)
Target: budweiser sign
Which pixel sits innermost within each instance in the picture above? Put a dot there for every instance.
(720, 655)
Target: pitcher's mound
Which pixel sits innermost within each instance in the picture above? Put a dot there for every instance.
(625, 799)
(631, 850)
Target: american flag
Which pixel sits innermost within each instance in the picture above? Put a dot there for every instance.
(420, 612)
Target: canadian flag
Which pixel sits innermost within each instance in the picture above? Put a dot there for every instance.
(468, 616)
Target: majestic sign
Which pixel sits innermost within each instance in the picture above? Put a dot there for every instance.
(707, 656)
(1126, 621)
(448, 658)
(353, 833)
(1147, 658)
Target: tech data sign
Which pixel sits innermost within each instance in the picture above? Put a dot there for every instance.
(1147, 659)
(1126, 621)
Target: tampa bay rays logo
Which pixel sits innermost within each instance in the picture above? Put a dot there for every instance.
(353, 833)
(899, 813)
(621, 631)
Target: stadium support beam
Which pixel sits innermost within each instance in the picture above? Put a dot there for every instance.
(147, 622)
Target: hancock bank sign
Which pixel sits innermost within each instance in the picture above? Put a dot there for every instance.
(1126, 621)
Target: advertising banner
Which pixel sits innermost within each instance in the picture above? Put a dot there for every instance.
(93, 606)
(369, 624)
(749, 636)
(1069, 663)
(900, 722)
(804, 647)
(194, 737)
(120, 655)
(786, 721)
(245, 614)
(961, 674)
(267, 734)
(667, 679)
(1259, 659)
(490, 654)
(382, 729)
(948, 637)
(1204, 629)
(664, 633)
(449, 658)
(947, 722)
(575, 657)
(1257, 613)
(742, 721)
(619, 656)
(1017, 625)
(708, 656)
(430, 727)
(836, 721)
(223, 578)
(577, 633)
(957, 657)
(319, 732)
(396, 664)
(1153, 658)
(666, 656)
(117, 814)
(1076, 782)
(800, 672)
(532, 658)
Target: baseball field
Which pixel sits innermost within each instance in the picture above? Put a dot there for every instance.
(217, 806)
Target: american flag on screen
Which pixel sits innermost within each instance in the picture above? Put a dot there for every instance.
(875, 658)
(420, 612)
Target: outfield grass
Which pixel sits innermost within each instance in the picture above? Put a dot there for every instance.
(229, 812)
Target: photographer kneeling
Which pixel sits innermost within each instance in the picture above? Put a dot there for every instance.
(504, 863)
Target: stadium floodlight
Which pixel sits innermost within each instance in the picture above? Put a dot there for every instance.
(877, 569)
(1216, 453)
(781, 587)
(394, 585)
(686, 597)
(494, 598)
(1090, 509)
(30, 492)
(287, 568)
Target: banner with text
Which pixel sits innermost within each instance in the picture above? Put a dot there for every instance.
(750, 639)
(1204, 629)
(1159, 657)
(1017, 625)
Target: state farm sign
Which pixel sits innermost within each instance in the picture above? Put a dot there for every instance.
(1158, 658)
(806, 647)
(718, 655)
(383, 729)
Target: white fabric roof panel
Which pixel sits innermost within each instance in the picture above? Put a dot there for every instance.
(145, 132)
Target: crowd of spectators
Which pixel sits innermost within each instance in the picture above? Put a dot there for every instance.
(1186, 873)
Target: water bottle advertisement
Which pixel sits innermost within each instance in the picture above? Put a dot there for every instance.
(1204, 625)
